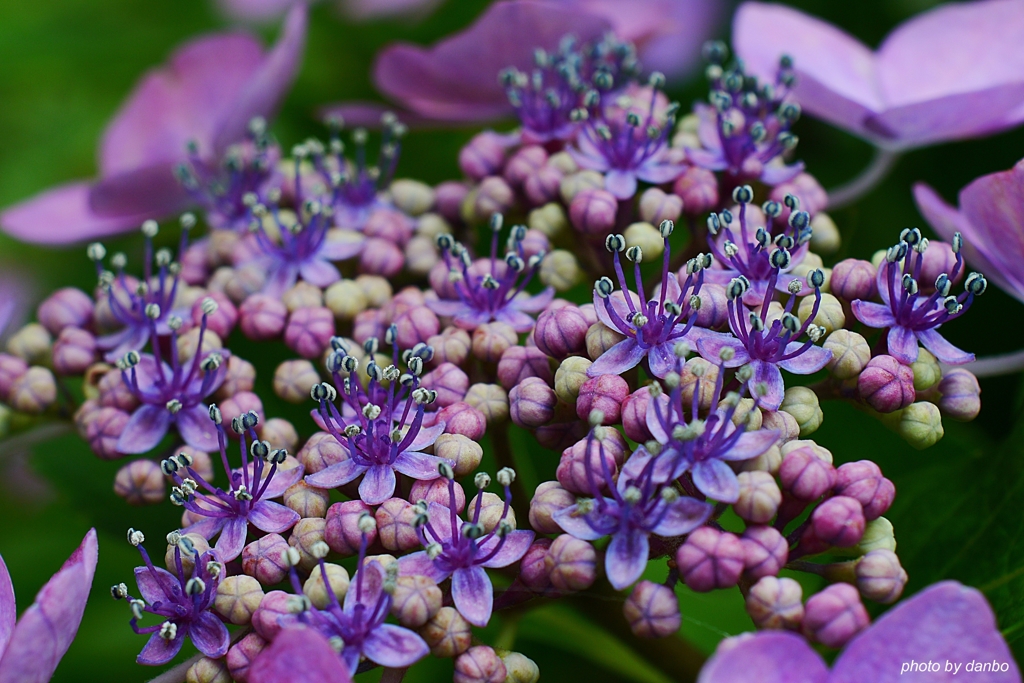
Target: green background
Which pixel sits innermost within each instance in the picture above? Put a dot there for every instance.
(65, 65)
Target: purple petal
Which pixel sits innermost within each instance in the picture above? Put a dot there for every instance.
(232, 539)
(8, 606)
(62, 215)
(654, 425)
(662, 359)
(716, 480)
(520, 322)
(338, 474)
(903, 344)
(812, 359)
(946, 621)
(441, 521)
(372, 587)
(47, 627)
(274, 518)
(512, 550)
(683, 516)
(155, 586)
(665, 466)
(420, 564)
(319, 272)
(342, 244)
(994, 207)
(535, 303)
(776, 656)
(750, 445)
(767, 376)
(394, 646)
(619, 305)
(577, 525)
(622, 184)
(280, 279)
(473, 594)
(151, 190)
(378, 484)
(282, 480)
(447, 307)
(418, 465)
(197, 429)
(455, 79)
(942, 349)
(872, 314)
(712, 161)
(209, 635)
(146, 427)
(160, 650)
(623, 356)
(710, 346)
(207, 527)
(659, 173)
(299, 655)
(776, 174)
(427, 436)
(626, 558)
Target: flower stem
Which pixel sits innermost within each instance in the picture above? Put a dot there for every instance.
(997, 365)
(393, 675)
(504, 458)
(873, 174)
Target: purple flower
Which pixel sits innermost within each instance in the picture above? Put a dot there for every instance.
(247, 499)
(945, 622)
(358, 622)
(625, 135)
(991, 220)
(381, 426)
(638, 507)
(171, 393)
(146, 308)
(745, 130)
(461, 550)
(491, 289)
(184, 603)
(358, 10)
(912, 316)
(702, 447)
(207, 94)
(653, 329)
(299, 655)
(768, 346)
(905, 94)
(31, 647)
(749, 254)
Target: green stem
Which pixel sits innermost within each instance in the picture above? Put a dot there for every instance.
(504, 458)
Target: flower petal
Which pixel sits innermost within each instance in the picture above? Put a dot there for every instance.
(473, 594)
(716, 480)
(942, 349)
(750, 445)
(420, 564)
(418, 465)
(209, 635)
(622, 184)
(512, 550)
(146, 427)
(378, 484)
(902, 344)
(577, 525)
(372, 586)
(626, 558)
(393, 646)
(8, 607)
(160, 650)
(535, 303)
(767, 377)
(625, 355)
(155, 585)
(662, 359)
(319, 272)
(299, 655)
(232, 539)
(711, 344)
(338, 474)
(427, 436)
(47, 627)
(812, 359)
(197, 429)
(872, 314)
(282, 480)
(274, 518)
(776, 656)
(683, 516)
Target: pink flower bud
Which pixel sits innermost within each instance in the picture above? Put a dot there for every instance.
(448, 196)
(657, 206)
(776, 603)
(759, 497)
(483, 155)
(543, 186)
(714, 306)
(548, 499)
(242, 654)
(880, 577)
(491, 400)
(451, 346)
(461, 450)
(395, 528)
(436, 491)
(389, 225)
(492, 339)
(523, 163)
(449, 381)
(381, 257)
(572, 467)
(698, 188)
(447, 634)
(415, 601)
(532, 402)
(240, 375)
(368, 324)
(519, 362)
(938, 259)
(223, 320)
(835, 615)
(839, 521)
(634, 415)
(238, 598)
(321, 451)
(140, 482)
(342, 530)
(863, 481)
(886, 384)
(103, 431)
(710, 559)
(561, 332)
(534, 572)
(33, 392)
(240, 404)
(593, 212)
(571, 564)
(114, 393)
(12, 368)
(853, 279)
(67, 307)
(415, 325)
(652, 610)
(262, 559)
(462, 418)
(309, 331)
(603, 394)
(262, 317)
(304, 535)
(961, 395)
(480, 664)
(74, 351)
(807, 189)
(306, 500)
(267, 617)
(491, 196)
(294, 379)
(765, 551)
(805, 476)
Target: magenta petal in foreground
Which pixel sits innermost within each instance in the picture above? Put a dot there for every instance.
(776, 656)
(299, 655)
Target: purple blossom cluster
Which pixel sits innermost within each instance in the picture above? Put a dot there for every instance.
(672, 408)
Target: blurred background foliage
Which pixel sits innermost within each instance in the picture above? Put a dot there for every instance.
(66, 66)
